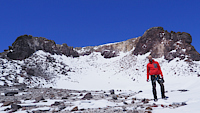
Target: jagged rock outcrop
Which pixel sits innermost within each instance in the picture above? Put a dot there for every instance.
(25, 46)
(170, 45)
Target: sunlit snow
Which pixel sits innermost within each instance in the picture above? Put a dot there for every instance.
(126, 72)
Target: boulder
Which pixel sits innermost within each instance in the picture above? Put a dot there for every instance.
(114, 97)
(75, 108)
(88, 96)
(11, 93)
(112, 91)
(7, 103)
(39, 98)
(145, 101)
(183, 103)
(15, 107)
(108, 54)
(57, 103)
(61, 107)
(125, 103)
(149, 108)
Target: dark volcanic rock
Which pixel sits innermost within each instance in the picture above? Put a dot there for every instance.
(25, 46)
(112, 91)
(108, 53)
(38, 99)
(11, 93)
(57, 103)
(114, 97)
(145, 101)
(75, 108)
(7, 103)
(15, 107)
(161, 43)
(88, 96)
(148, 41)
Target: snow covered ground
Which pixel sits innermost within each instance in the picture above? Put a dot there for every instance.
(128, 74)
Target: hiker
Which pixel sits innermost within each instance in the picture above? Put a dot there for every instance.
(154, 70)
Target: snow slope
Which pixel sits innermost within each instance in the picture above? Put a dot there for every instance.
(125, 72)
(128, 72)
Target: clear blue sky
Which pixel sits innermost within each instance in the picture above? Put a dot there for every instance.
(80, 23)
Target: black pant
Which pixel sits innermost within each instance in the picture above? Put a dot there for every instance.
(157, 78)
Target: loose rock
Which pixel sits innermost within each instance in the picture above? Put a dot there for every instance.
(15, 107)
(7, 103)
(75, 108)
(88, 96)
(112, 91)
(38, 99)
(11, 93)
(114, 97)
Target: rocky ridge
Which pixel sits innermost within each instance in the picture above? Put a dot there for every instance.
(155, 40)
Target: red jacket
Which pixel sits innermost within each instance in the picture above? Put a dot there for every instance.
(153, 68)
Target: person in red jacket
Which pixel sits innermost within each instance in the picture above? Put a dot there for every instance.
(154, 70)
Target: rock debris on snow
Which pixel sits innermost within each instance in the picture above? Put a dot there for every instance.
(30, 100)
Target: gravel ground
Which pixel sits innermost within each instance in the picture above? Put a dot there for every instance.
(49, 100)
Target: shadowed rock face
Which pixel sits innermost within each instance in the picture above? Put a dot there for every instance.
(149, 41)
(25, 46)
(170, 45)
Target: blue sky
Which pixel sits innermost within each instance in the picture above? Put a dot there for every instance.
(80, 23)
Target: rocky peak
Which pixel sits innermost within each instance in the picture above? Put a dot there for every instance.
(170, 45)
(25, 45)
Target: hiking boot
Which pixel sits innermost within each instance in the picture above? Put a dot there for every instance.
(155, 100)
(165, 97)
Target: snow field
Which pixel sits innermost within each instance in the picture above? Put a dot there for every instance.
(125, 72)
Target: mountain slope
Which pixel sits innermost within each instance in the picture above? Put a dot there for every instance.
(120, 66)
(42, 59)
(42, 66)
